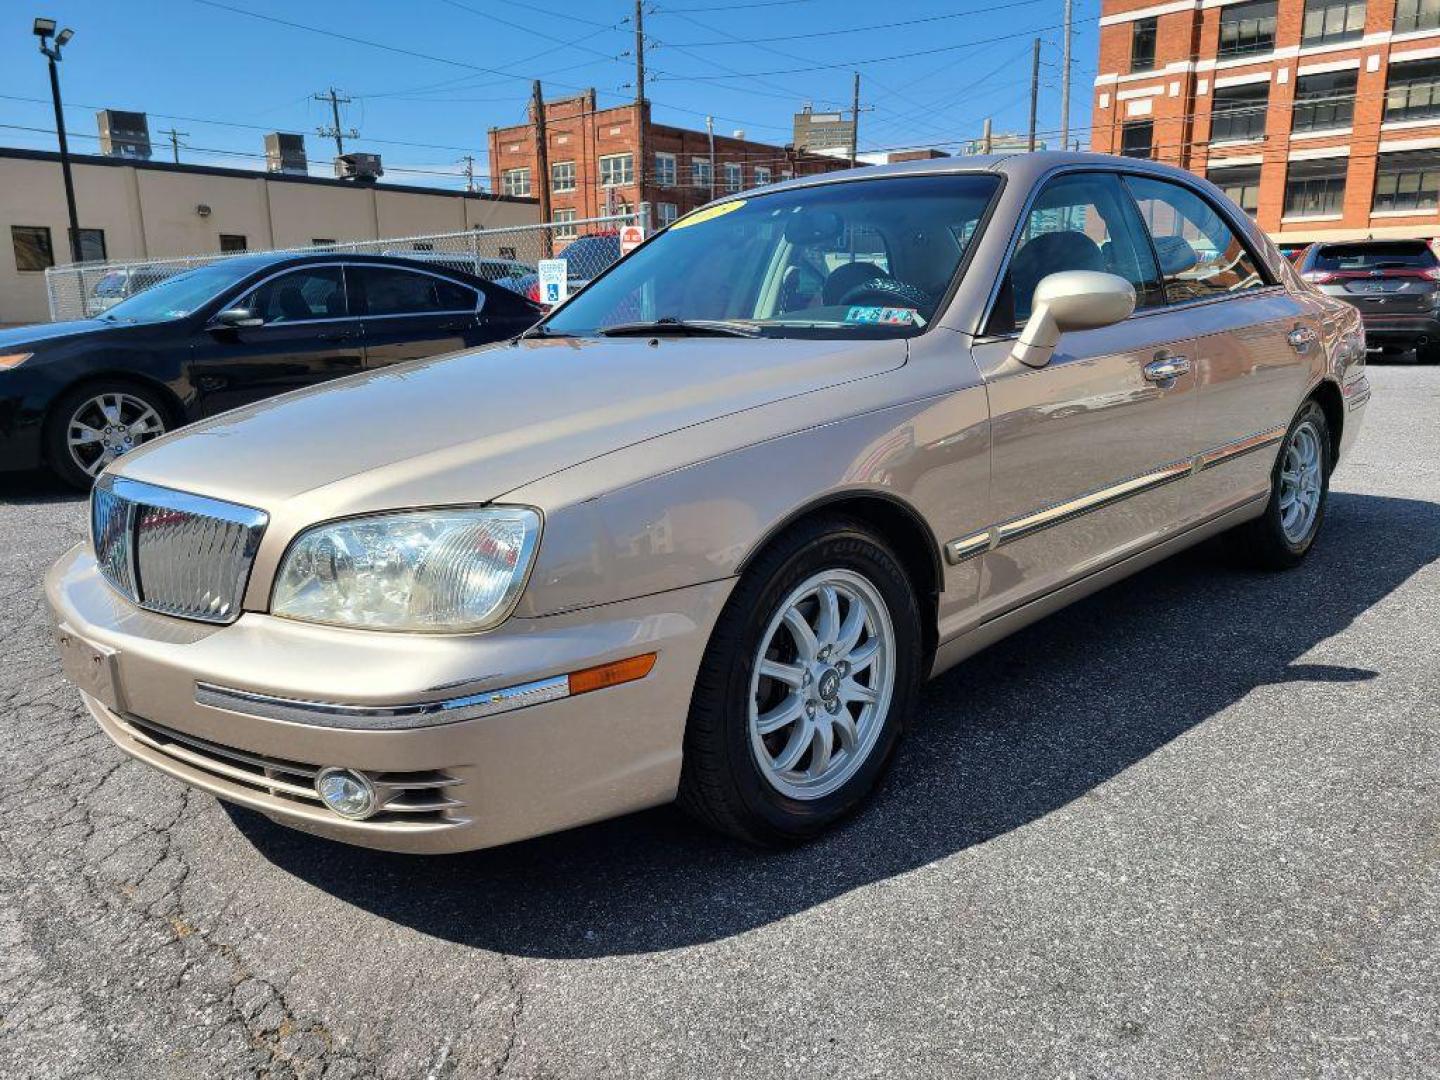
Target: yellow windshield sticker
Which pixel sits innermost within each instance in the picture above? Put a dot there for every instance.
(708, 213)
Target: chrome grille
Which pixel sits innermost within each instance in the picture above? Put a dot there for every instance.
(173, 552)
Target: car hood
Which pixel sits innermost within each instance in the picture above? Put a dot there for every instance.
(471, 426)
(21, 336)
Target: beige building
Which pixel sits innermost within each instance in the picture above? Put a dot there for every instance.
(148, 210)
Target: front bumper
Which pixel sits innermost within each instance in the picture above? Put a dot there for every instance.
(463, 784)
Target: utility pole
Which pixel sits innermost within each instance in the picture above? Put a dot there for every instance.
(987, 141)
(855, 123)
(1065, 81)
(335, 131)
(1034, 92)
(175, 142)
(710, 134)
(469, 162)
(542, 166)
(640, 118)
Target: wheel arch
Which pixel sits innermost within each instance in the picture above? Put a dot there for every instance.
(1328, 396)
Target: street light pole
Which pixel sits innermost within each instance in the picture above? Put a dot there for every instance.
(44, 28)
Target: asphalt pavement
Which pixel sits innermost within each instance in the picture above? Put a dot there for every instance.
(1188, 828)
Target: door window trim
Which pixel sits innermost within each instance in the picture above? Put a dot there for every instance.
(247, 290)
(1122, 170)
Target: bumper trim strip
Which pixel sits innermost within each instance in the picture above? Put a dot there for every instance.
(383, 717)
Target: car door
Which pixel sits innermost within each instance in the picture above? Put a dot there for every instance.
(306, 335)
(408, 314)
(1255, 340)
(1089, 453)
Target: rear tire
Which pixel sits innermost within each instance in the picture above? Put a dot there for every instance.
(1299, 486)
(91, 425)
(788, 732)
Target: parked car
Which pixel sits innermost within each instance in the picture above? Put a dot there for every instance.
(125, 282)
(703, 531)
(76, 395)
(482, 266)
(585, 258)
(1395, 285)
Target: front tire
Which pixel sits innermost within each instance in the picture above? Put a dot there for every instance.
(91, 425)
(803, 689)
(1299, 485)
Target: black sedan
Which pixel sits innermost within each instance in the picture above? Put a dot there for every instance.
(74, 396)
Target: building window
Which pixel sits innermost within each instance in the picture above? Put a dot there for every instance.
(617, 169)
(233, 242)
(1414, 91)
(700, 172)
(734, 176)
(515, 182)
(1238, 112)
(1247, 29)
(1324, 101)
(1329, 21)
(565, 224)
(1142, 44)
(1315, 188)
(666, 170)
(33, 250)
(665, 213)
(1240, 183)
(1137, 138)
(1416, 15)
(562, 176)
(762, 175)
(322, 241)
(1408, 181)
(92, 244)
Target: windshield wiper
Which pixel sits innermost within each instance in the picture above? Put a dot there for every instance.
(672, 325)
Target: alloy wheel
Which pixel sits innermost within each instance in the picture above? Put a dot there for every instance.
(1301, 479)
(823, 680)
(108, 425)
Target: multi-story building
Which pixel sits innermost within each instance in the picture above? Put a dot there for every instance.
(592, 153)
(1320, 117)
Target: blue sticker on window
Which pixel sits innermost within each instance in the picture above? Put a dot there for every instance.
(884, 316)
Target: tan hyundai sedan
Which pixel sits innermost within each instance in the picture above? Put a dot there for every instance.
(702, 533)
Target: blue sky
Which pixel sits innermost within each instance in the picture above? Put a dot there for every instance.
(450, 69)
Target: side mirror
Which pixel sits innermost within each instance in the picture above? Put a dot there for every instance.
(1071, 300)
(237, 318)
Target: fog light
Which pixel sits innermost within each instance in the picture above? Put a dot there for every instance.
(350, 794)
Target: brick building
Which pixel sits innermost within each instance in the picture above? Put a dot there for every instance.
(592, 162)
(1320, 117)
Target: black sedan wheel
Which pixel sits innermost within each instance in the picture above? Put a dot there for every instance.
(93, 425)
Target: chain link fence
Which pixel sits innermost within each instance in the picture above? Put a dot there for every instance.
(507, 256)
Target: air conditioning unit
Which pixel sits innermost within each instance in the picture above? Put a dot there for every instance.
(124, 134)
(285, 153)
(359, 167)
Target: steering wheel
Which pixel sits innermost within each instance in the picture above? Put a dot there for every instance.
(885, 292)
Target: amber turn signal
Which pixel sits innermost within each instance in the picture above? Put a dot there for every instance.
(611, 674)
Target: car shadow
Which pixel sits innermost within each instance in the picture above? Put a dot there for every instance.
(33, 488)
(1013, 734)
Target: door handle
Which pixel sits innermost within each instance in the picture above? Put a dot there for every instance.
(1301, 338)
(1165, 368)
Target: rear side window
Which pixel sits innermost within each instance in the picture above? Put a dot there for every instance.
(382, 290)
(1199, 254)
(1407, 255)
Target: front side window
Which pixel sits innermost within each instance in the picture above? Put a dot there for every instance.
(1329, 21)
(562, 176)
(1324, 101)
(1407, 181)
(565, 224)
(734, 176)
(617, 169)
(1199, 254)
(1082, 221)
(1413, 92)
(665, 170)
(1142, 44)
(383, 290)
(33, 250)
(1238, 112)
(1412, 15)
(300, 296)
(1247, 29)
(1315, 188)
(868, 258)
(515, 182)
(1137, 138)
(1241, 185)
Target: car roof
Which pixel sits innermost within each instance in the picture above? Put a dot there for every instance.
(281, 260)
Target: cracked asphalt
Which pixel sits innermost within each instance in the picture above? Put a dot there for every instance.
(1187, 828)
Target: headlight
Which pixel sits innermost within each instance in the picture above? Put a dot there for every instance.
(440, 571)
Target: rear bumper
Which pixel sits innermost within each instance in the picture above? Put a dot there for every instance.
(1400, 329)
(463, 784)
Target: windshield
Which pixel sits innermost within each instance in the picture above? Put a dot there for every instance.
(176, 297)
(1414, 253)
(873, 257)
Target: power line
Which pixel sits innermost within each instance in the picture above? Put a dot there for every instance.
(849, 29)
